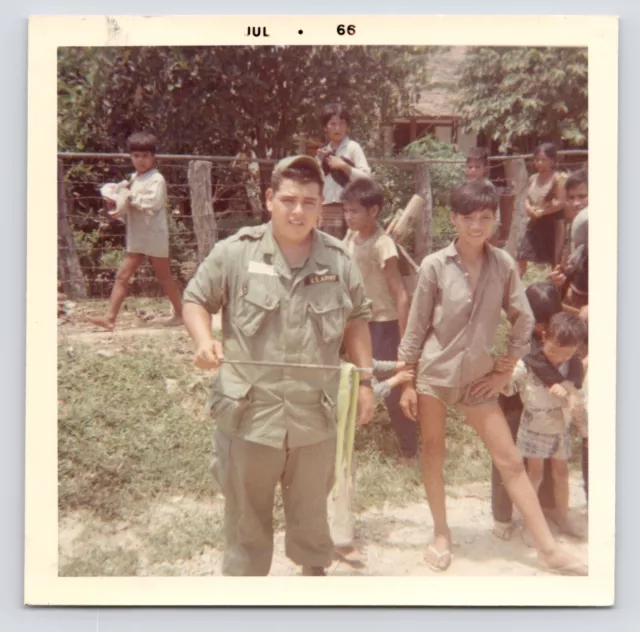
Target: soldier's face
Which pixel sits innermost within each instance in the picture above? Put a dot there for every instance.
(295, 208)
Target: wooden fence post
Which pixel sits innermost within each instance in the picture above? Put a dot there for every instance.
(424, 224)
(204, 221)
(69, 270)
(517, 179)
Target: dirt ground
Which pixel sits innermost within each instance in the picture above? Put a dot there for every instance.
(391, 539)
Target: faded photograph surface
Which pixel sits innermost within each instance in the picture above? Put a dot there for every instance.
(322, 310)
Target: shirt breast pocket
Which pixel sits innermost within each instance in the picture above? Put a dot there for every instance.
(255, 306)
(329, 313)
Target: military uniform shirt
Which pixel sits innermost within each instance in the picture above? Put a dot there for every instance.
(273, 313)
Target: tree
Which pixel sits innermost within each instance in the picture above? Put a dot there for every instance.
(205, 100)
(511, 93)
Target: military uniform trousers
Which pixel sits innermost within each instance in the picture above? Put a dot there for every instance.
(247, 474)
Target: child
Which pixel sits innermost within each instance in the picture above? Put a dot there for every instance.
(572, 276)
(450, 333)
(544, 236)
(339, 507)
(476, 169)
(544, 431)
(142, 203)
(545, 301)
(377, 258)
(343, 161)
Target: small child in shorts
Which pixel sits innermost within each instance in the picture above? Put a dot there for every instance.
(548, 413)
(545, 301)
(142, 204)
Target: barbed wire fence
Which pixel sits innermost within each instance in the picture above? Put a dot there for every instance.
(211, 197)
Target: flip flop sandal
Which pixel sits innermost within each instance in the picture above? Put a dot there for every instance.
(444, 555)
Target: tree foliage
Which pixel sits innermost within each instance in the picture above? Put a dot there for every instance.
(511, 93)
(204, 100)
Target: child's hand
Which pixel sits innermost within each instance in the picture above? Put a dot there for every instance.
(337, 163)
(404, 376)
(109, 203)
(489, 385)
(559, 391)
(409, 402)
(557, 276)
(505, 364)
(400, 366)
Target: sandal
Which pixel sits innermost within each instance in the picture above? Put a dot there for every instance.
(438, 567)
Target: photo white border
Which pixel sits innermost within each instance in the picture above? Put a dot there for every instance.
(42, 584)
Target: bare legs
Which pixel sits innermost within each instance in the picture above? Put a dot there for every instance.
(489, 422)
(433, 415)
(131, 262)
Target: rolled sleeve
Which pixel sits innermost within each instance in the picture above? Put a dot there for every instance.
(362, 306)
(152, 198)
(361, 168)
(208, 286)
(519, 315)
(420, 314)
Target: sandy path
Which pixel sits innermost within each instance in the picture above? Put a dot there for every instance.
(392, 540)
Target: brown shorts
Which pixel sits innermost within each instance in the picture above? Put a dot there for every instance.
(453, 396)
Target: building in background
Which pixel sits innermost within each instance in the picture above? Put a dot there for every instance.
(435, 112)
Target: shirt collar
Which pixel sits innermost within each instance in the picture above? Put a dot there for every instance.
(319, 251)
(451, 252)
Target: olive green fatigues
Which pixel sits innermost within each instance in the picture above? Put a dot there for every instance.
(272, 423)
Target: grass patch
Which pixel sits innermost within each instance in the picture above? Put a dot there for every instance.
(123, 439)
(100, 563)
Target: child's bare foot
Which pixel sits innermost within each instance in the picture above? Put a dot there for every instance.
(102, 321)
(562, 563)
(503, 530)
(571, 527)
(174, 321)
(438, 556)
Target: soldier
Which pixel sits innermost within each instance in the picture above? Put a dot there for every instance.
(289, 294)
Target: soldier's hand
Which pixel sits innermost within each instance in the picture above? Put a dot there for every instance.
(366, 405)
(409, 402)
(209, 355)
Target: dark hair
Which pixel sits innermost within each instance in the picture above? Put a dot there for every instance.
(478, 153)
(474, 196)
(548, 149)
(142, 141)
(334, 109)
(545, 301)
(364, 190)
(303, 174)
(576, 179)
(567, 329)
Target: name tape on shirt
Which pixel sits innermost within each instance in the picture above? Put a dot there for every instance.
(313, 279)
(258, 267)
